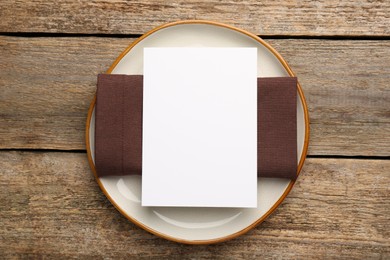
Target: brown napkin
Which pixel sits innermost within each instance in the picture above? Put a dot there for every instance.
(277, 127)
(118, 126)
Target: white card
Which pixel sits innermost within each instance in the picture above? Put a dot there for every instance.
(200, 127)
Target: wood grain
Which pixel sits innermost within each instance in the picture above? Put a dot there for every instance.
(46, 85)
(52, 207)
(136, 17)
(50, 204)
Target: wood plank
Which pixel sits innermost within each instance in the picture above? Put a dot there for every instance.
(46, 85)
(51, 206)
(346, 84)
(280, 17)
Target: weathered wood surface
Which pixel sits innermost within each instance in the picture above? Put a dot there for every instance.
(46, 85)
(279, 17)
(51, 206)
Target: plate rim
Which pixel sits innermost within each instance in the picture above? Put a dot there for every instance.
(290, 185)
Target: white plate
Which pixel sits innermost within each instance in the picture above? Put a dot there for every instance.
(198, 225)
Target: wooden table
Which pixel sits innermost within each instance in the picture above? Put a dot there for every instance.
(50, 54)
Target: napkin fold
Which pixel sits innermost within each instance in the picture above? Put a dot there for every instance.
(118, 126)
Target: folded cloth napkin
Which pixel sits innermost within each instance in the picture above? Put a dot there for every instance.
(118, 126)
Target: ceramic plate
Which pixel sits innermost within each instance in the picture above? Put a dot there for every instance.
(198, 225)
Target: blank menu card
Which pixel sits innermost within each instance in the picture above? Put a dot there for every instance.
(200, 127)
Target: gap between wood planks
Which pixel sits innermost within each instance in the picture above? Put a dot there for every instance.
(359, 157)
(319, 37)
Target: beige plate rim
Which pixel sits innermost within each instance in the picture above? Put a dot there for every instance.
(288, 189)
